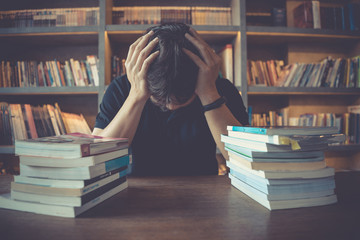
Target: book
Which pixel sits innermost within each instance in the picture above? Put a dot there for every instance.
(277, 166)
(226, 67)
(281, 204)
(254, 154)
(266, 174)
(284, 189)
(285, 130)
(57, 210)
(75, 201)
(307, 15)
(64, 183)
(93, 67)
(268, 147)
(320, 157)
(288, 139)
(76, 173)
(72, 145)
(51, 190)
(72, 162)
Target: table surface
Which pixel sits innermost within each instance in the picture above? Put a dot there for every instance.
(199, 207)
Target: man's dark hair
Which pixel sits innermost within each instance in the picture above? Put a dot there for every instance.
(172, 76)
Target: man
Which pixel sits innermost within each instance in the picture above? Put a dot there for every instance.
(171, 105)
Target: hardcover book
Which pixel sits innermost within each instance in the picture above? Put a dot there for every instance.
(261, 198)
(277, 166)
(76, 173)
(72, 162)
(43, 188)
(268, 147)
(57, 210)
(76, 201)
(286, 130)
(72, 145)
(266, 174)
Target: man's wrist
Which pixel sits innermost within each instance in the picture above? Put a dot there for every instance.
(138, 97)
(215, 104)
(208, 97)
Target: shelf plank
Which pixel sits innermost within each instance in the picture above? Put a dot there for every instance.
(49, 36)
(7, 149)
(212, 34)
(142, 27)
(49, 91)
(344, 147)
(42, 31)
(263, 90)
(290, 34)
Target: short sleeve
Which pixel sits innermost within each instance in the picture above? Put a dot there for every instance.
(233, 100)
(113, 99)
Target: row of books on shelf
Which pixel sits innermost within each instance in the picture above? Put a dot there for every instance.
(67, 175)
(347, 123)
(318, 15)
(330, 72)
(277, 17)
(23, 121)
(50, 17)
(50, 73)
(282, 167)
(164, 14)
(264, 72)
(117, 66)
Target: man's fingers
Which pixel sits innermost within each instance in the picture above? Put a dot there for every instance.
(137, 46)
(196, 35)
(144, 53)
(148, 61)
(194, 57)
(203, 48)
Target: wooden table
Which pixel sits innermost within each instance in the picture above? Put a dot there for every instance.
(202, 207)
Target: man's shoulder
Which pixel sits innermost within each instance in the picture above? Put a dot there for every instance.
(224, 85)
(119, 85)
(120, 82)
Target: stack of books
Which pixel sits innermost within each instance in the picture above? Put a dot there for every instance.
(68, 174)
(282, 167)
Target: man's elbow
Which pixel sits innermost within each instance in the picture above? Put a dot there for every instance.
(97, 131)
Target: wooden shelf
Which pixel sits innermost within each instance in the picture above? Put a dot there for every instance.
(49, 36)
(344, 147)
(263, 90)
(258, 34)
(212, 34)
(42, 31)
(49, 91)
(7, 149)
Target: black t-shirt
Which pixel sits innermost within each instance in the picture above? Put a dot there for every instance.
(175, 142)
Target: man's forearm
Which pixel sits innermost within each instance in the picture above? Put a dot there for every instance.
(218, 119)
(126, 121)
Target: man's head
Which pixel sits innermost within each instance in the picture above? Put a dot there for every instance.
(172, 76)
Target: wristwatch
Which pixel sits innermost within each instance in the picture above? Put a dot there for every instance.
(216, 104)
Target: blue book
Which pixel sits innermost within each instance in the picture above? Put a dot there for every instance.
(278, 189)
(311, 156)
(271, 204)
(268, 147)
(286, 130)
(76, 173)
(319, 173)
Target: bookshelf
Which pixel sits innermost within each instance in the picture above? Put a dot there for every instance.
(103, 40)
(251, 40)
(304, 45)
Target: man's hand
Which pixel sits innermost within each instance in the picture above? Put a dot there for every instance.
(209, 67)
(137, 64)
